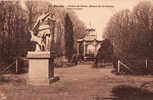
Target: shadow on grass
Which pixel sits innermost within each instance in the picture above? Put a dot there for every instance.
(138, 72)
(13, 80)
(125, 92)
(102, 65)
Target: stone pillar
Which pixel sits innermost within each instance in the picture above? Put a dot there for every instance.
(78, 48)
(39, 63)
(51, 67)
(52, 47)
(84, 48)
(95, 45)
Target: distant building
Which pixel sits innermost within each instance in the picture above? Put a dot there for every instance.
(89, 45)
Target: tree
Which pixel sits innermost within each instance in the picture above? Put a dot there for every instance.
(119, 30)
(132, 32)
(144, 28)
(78, 27)
(69, 40)
(16, 21)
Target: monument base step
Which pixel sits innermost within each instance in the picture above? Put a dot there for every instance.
(40, 82)
(54, 79)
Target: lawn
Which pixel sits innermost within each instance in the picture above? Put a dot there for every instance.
(81, 82)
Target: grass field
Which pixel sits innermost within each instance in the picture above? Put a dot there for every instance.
(81, 82)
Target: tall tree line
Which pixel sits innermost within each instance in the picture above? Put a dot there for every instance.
(15, 23)
(13, 31)
(131, 32)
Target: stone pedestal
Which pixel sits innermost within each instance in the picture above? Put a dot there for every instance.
(39, 65)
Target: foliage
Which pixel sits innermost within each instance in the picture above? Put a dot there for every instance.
(131, 32)
(105, 53)
(12, 31)
(69, 40)
(16, 21)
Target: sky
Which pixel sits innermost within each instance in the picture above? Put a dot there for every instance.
(96, 17)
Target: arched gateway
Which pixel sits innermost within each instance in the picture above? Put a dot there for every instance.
(88, 46)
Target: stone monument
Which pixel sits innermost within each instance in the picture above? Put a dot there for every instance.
(41, 68)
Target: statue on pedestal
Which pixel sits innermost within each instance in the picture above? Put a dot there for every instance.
(41, 61)
(43, 31)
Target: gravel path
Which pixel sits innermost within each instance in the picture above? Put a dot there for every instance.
(81, 82)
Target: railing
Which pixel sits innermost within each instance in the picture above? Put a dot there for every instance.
(6, 69)
(14, 65)
(124, 65)
(128, 65)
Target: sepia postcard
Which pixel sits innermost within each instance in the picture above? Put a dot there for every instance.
(76, 50)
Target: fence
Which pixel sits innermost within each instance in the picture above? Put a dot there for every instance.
(15, 65)
(132, 65)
